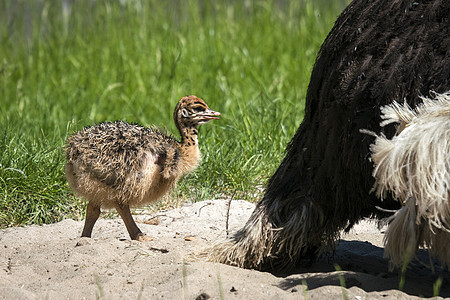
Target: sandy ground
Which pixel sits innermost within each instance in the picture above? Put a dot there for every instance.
(52, 262)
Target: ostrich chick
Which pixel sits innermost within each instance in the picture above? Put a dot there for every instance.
(123, 165)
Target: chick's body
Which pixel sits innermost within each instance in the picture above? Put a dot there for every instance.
(121, 162)
(121, 165)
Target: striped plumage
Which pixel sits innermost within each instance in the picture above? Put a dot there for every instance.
(120, 165)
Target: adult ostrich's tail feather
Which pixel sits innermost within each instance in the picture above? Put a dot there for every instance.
(415, 167)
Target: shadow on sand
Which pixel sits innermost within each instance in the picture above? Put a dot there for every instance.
(363, 266)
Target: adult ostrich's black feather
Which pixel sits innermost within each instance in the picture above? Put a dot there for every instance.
(377, 52)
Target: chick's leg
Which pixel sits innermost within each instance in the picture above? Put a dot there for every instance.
(92, 214)
(133, 229)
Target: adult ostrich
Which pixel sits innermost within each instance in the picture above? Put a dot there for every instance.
(378, 51)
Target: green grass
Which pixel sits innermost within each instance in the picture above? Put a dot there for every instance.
(64, 69)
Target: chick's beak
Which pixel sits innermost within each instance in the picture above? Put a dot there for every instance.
(207, 116)
(211, 115)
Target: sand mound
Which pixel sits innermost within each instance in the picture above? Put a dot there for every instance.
(52, 262)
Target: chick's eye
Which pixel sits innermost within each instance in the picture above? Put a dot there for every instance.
(199, 109)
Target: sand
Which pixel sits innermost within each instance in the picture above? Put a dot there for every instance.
(53, 262)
